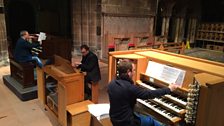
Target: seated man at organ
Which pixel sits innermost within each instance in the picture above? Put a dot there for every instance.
(90, 65)
(22, 52)
(123, 94)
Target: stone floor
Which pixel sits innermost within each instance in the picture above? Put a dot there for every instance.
(14, 112)
(213, 55)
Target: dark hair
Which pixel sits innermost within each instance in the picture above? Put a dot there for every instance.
(84, 47)
(122, 70)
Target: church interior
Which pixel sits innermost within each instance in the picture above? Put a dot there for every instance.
(184, 37)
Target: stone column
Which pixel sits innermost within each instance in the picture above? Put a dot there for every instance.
(167, 28)
(189, 29)
(84, 24)
(177, 30)
(3, 38)
(192, 30)
(194, 25)
(163, 26)
(181, 30)
(76, 24)
(151, 25)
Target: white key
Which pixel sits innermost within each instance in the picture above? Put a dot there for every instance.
(147, 86)
(155, 109)
(168, 105)
(168, 96)
(177, 100)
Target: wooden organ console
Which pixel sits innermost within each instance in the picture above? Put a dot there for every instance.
(22, 79)
(197, 103)
(69, 89)
(24, 72)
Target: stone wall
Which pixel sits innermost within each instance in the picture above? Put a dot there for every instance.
(124, 17)
(94, 20)
(84, 24)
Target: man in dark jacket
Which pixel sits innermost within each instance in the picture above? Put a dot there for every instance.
(123, 94)
(90, 65)
(22, 52)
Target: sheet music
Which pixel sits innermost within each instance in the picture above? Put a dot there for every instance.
(165, 73)
(100, 111)
(42, 36)
(169, 74)
(154, 69)
(180, 78)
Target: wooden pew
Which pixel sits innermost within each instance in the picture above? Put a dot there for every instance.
(173, 47)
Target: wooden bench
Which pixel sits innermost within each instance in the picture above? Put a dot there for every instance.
(173, 47)
(23, 73)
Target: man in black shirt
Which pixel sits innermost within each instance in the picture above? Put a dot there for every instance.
(90, 65)
(123, 94)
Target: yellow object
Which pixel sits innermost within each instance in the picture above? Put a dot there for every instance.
(188, 45)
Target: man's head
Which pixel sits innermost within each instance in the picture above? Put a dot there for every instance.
(24, 34)
(125, 69)
(84, 50)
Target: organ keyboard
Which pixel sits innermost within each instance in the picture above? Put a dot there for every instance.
(157, 108)
(37, 50)
(171, 106)
(54, 46)
(172, 97)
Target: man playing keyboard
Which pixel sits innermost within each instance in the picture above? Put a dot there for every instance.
(123, 94)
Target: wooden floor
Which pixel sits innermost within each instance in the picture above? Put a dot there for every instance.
(14, 112)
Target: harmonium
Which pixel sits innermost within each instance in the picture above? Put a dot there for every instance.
(198, 101)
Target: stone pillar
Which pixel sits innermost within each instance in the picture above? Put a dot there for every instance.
(77, 24)
(151, 25)
(165, 27)
(181, 30)
(189, 29)
(192, 30)
(3, 38)
(85, 22)
(177, 29)
(84, 17)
